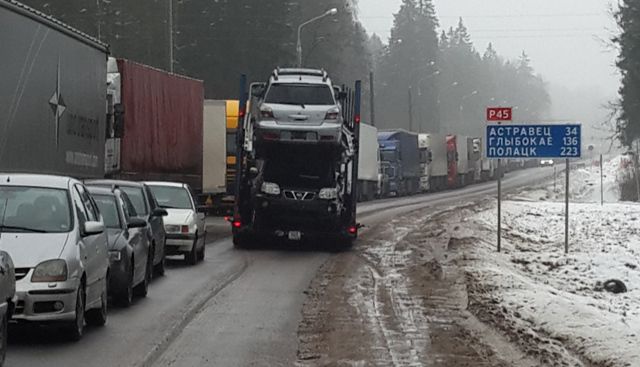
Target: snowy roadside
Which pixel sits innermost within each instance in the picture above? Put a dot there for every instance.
(536, 294)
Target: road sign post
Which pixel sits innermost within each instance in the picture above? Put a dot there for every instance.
(601, 183)
(532, 141)
(499, 114)
(566, 210)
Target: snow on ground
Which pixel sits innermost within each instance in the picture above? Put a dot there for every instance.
(546, 295)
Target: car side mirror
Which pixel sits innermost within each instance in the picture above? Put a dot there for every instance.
(93, 228)
(258, 89)
(202, 209)
(342, 95)
(159, 212)
(136, 223)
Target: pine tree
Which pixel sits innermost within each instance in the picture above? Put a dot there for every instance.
(409, 69)
(628, 18)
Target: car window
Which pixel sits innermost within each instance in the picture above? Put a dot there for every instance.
(34, 209)
(300, 94)
(153, 204)
(77, 202)
(136, 195)
(128, 206)
(90, 209)
(170, 197)
(109, 210)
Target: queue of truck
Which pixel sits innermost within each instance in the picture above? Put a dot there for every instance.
(287, 158)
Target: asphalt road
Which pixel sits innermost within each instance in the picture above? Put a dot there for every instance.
(237, 308)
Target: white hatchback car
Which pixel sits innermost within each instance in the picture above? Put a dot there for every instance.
(55, 235)
(185, 225)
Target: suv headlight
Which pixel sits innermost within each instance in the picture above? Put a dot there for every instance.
(328, 194)
(270, 188)
(50, 271)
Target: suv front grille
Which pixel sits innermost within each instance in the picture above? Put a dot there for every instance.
(299, 195)
(21, 273)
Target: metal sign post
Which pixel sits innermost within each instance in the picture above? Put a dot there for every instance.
(566, 211)
(533, 141)
(499, 205)
(499, 114)
(601, 183)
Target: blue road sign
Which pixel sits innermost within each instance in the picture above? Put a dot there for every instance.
(534, 141)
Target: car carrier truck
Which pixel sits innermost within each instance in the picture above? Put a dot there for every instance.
(297, 164)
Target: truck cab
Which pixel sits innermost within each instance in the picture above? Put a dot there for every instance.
(391, 167)
(298, 189)
(298, 106)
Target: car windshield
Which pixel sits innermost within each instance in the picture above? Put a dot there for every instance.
(300, 94)
(109, 210)
(170, 197)
(34, 209)
(388, 155)
(136, 196)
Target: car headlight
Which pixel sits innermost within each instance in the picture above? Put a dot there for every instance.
(270, 188)
(50, 271)
(328, 194)
(115, 256)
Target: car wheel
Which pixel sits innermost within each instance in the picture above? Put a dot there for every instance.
(202, 251)
(4, 334)
(159, 268)
(125, 298)
(98, 316)
(142, 289)
(191, 258)
(76, 328)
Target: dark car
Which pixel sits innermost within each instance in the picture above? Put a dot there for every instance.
(129, 245)
(7, 299)
(147, 208)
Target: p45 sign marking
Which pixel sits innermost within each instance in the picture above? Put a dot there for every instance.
(499, 114)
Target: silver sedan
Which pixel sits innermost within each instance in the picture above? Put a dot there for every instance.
(54, 232)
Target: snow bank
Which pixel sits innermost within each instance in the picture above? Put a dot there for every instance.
(546, 292)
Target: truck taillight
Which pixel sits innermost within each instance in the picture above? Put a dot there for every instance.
(237, 224)
(357, 119)
(353, 230)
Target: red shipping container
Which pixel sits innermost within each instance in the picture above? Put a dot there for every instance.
(162, 123)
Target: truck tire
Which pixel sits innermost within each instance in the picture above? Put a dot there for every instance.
(241, 241)
(343, 244)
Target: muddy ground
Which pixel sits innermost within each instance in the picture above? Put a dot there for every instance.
(402, 297)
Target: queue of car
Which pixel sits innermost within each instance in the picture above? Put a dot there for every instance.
(69, 247)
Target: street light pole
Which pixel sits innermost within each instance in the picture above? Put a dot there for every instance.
(171, 36)
(329, 12)
(410, 110)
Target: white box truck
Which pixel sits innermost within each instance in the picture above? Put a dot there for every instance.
(438, 163)
(368, 163)
(423, 146)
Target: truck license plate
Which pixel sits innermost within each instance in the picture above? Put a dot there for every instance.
(295, 235)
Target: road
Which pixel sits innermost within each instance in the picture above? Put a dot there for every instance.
(237, 308)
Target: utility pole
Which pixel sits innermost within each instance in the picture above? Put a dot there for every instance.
(171, 36)
(373, 99)
(410, 110)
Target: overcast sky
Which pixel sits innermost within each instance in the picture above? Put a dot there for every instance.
(564, 38)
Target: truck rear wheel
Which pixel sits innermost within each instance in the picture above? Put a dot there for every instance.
(241, 241)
